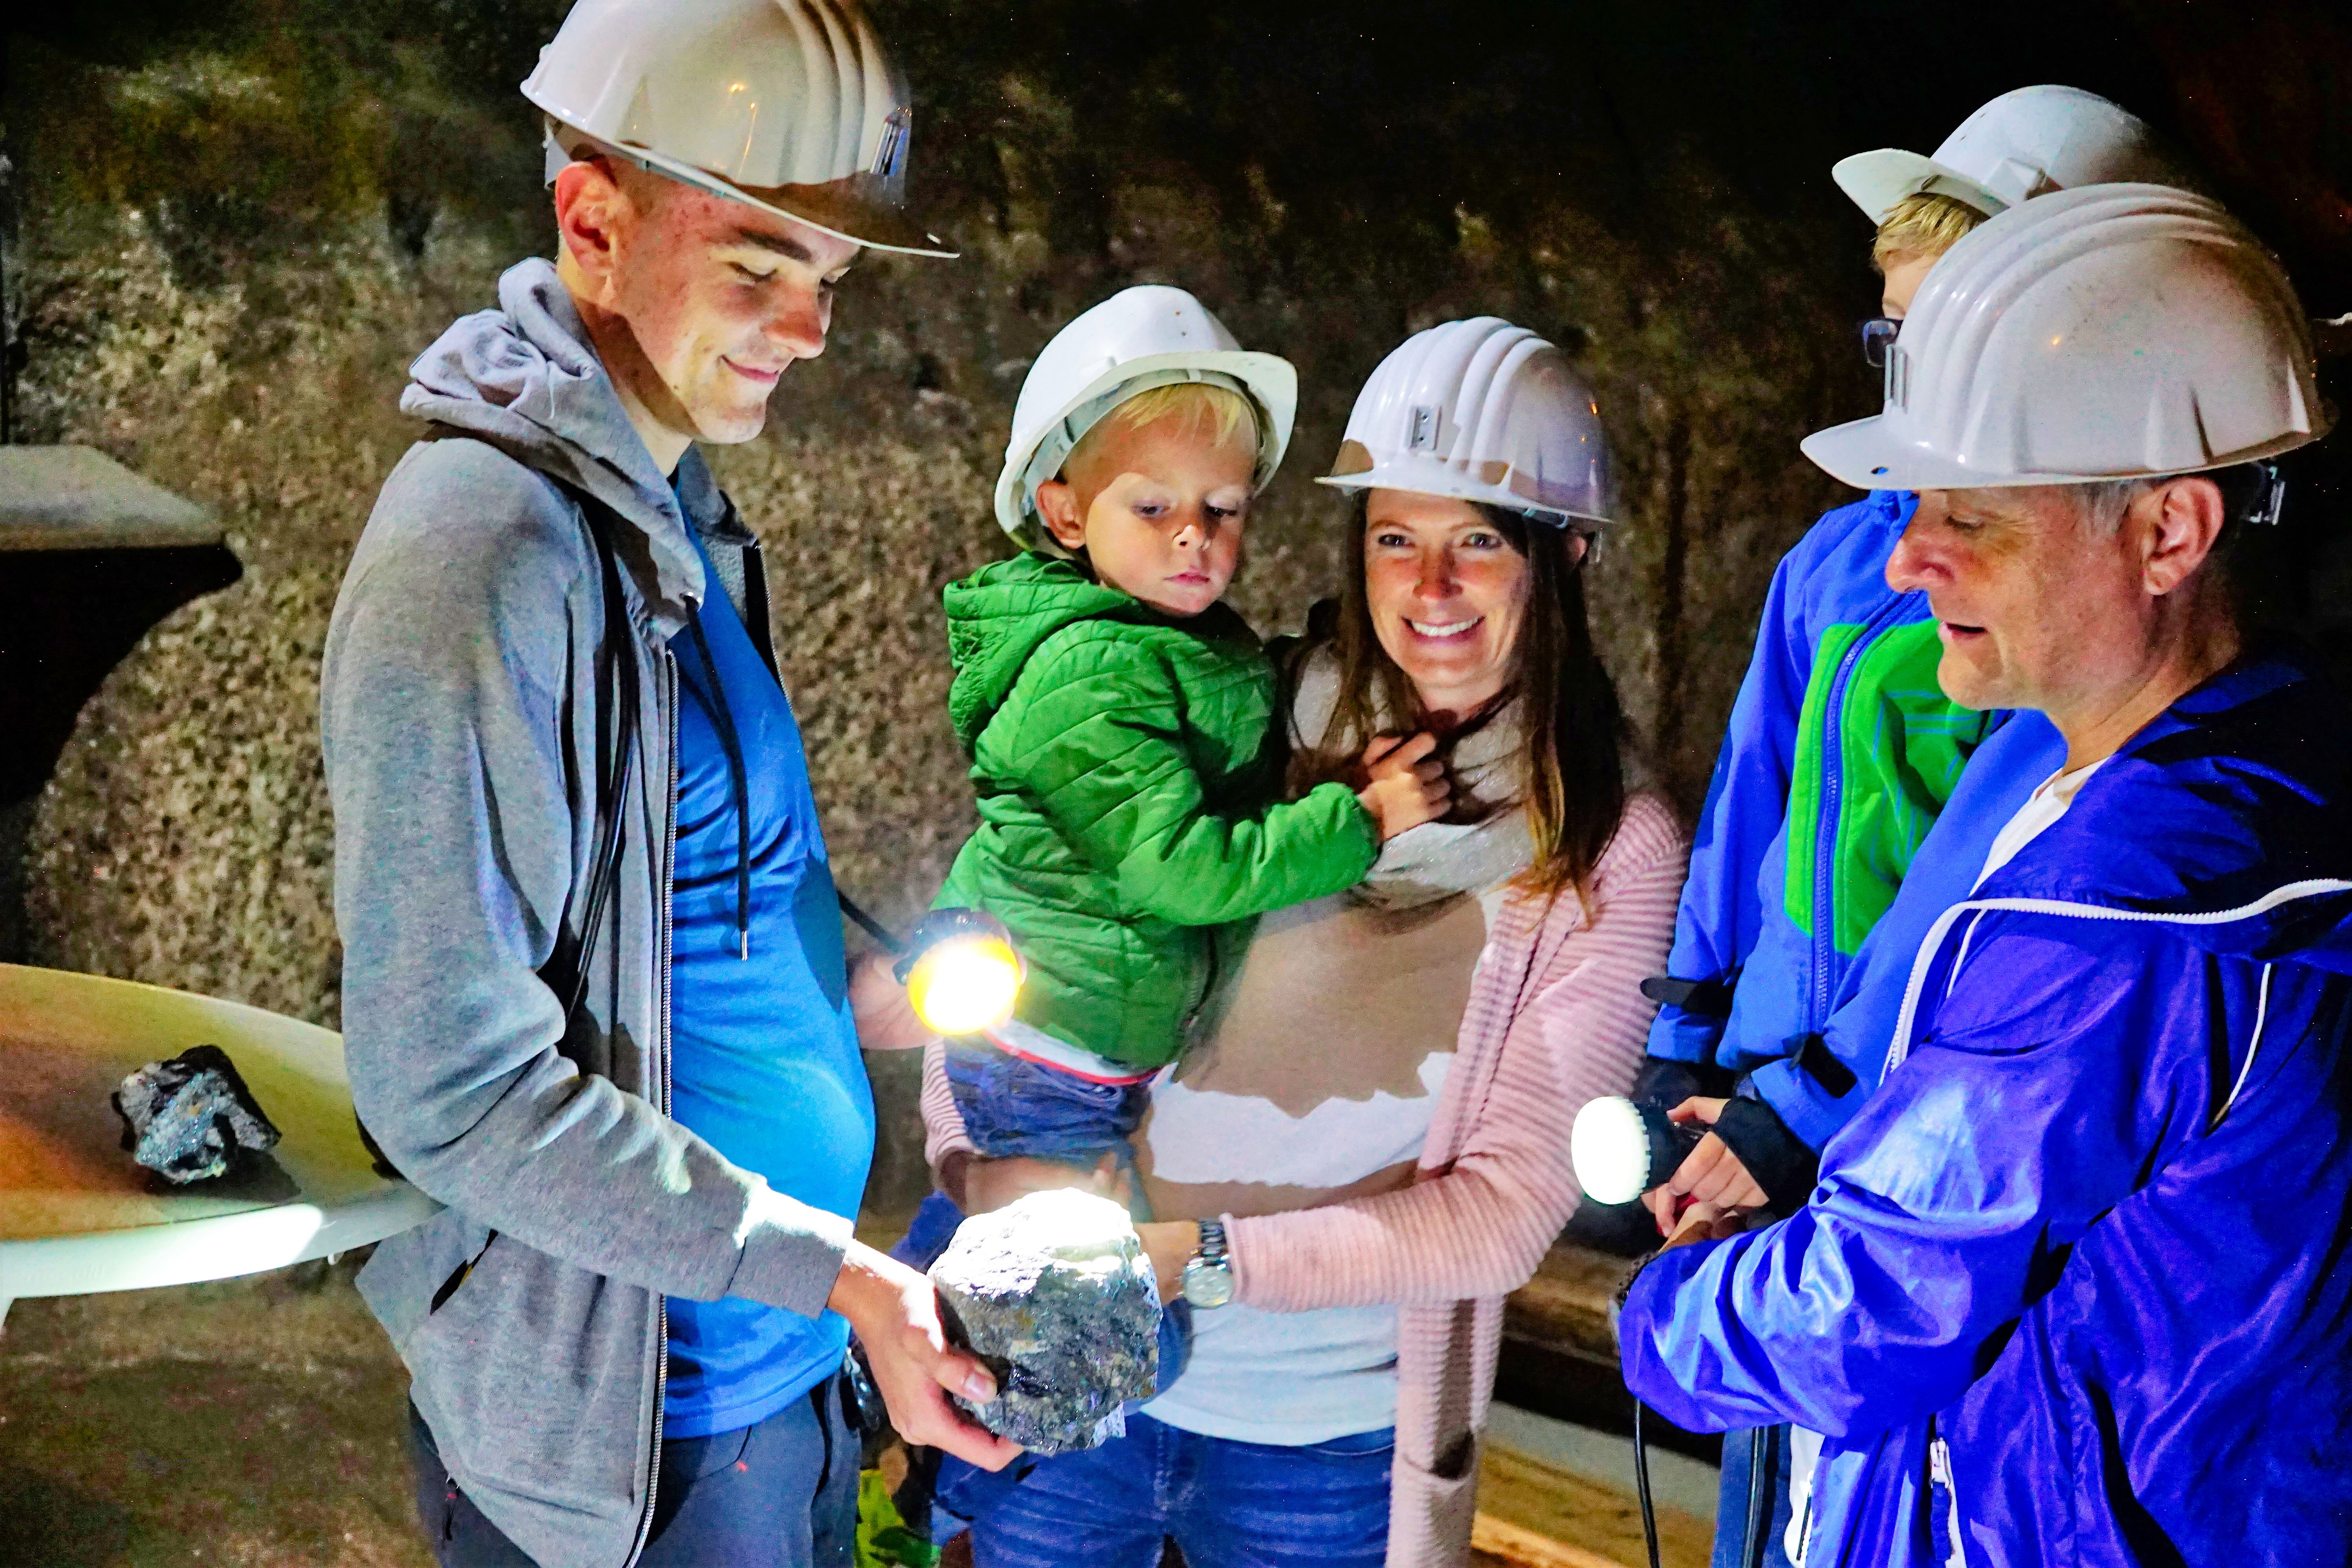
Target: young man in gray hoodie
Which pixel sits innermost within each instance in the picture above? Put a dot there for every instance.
(593, 992)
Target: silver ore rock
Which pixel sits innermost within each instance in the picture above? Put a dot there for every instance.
(191, 1118)
(1054, 1295)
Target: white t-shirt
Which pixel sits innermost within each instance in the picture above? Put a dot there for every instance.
(1290, 1378)
(1318, 1082)
(2044, 807)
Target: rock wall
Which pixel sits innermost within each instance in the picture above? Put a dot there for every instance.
(248, 353)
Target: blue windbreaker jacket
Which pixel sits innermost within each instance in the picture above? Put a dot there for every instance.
(1842, 757)
(2073, 1285)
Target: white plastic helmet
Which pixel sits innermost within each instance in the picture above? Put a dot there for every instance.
(1150, 335)
(2108, 332)
(1482, 411)
(789, 105)
(2023, 143)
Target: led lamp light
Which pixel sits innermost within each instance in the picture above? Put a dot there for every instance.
(965, 985)
(1621, 1149)
(961, 972)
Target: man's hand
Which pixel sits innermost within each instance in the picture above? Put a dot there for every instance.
(1169, 1244)
(886, 1019)
(1408, 785)
(1705, 1222)
(978, 1185)
(1711, 1175)
(896, 1316)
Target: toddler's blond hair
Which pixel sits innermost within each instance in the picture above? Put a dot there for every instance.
(1204, 407)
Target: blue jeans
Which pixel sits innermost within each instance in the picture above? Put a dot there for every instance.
(1227, 1504)
(782, 1494)
(1011, 1105)
(1731, 1505)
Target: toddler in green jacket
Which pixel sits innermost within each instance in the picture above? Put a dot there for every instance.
(1119, 717)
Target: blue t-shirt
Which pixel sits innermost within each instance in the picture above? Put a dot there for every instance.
(763, 1060)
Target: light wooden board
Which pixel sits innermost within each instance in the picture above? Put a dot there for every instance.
(1526, 1507)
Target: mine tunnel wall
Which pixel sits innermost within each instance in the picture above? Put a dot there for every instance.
(250, 357)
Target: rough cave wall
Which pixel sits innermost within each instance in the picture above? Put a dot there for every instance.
(236, 326)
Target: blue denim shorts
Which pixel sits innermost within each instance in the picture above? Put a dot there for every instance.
(1013, 1106)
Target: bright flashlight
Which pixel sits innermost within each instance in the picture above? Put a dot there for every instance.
(961, 972)
(1621, 1149)
(959, 967)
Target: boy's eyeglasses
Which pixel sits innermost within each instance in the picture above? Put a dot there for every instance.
(1878, 335)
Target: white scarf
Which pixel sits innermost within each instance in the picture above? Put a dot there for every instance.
(1437, 859)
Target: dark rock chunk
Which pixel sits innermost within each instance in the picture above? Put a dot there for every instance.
(191, 1119)
(1054, 1294)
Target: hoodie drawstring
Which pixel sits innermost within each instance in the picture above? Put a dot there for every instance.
(733, 746)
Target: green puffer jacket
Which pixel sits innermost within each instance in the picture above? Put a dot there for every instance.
(1129, 800)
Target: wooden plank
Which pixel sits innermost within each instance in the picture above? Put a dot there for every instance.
(1565, 1307)
(1581, 1515)
(1498, 1544)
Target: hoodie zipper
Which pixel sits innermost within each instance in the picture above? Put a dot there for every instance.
(755, 592)
(1825, 821)
(661, 1072)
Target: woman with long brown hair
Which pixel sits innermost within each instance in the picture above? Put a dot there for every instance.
(1366, 1148)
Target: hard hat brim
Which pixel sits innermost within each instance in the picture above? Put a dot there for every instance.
(846, 208)
(1864, 453)
(1878, 181)
(1272, 380)
(1428, 479)
(1869, 455)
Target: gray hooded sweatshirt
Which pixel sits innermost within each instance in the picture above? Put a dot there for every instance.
(464, 731)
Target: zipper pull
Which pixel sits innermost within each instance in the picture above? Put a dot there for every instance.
(1939, 1470)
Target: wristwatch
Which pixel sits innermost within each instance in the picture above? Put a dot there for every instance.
(1209, 1272)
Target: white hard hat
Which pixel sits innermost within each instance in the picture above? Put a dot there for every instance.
(789, 105)
(2022, 143)
(1150, 335)
(1482, 411)
(2109, 332)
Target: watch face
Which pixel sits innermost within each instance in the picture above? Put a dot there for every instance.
(1208, 1284)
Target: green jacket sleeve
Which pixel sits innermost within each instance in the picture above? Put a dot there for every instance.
(1100, 740)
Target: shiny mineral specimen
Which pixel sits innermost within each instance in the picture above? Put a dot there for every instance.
(1054, 1294)
(192, 1118)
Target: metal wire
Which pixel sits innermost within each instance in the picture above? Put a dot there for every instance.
(1642, 1486)
(891, 942)
(1759, 1460)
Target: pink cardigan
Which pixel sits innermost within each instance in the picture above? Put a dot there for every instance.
(1555, 1017)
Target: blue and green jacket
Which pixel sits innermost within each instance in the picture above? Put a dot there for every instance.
(1841, 756)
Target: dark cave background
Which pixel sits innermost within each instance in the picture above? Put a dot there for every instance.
(237, 220)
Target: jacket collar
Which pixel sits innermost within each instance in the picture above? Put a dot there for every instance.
(2238, 790)
(525, 377)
